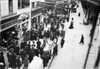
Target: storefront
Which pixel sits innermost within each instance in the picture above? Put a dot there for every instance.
(8, 22)
(22, 27)
(37, 17)
(8, 29)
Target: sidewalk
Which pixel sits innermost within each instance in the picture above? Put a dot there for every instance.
(72, 55)
(94, 50)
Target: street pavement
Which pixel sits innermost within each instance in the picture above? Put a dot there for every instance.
(73, 54)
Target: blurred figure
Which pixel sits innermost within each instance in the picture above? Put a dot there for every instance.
(71, 25)
(79, 14)
(38, 44)
(82, 39)
(36, 51)
(41, 50)
(12, 58)
(62, 42)
(46, 56)
(16, 49)
(4, 43)
(29, 44)
(31, 54)
(19, 62)
(25, 62)
(55, 51)
(23, 55)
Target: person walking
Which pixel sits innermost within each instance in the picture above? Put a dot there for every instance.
(82, 39)
(71, 24)
(79, 14)
(38, 44)
(62, 42)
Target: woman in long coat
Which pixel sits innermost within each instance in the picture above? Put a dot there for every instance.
(82, 39)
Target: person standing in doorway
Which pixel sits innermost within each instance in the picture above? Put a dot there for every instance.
(82, 39)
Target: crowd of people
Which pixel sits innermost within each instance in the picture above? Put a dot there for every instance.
(24, 54)
(36, 42)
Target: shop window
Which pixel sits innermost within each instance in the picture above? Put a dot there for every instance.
(38, 4)
(10, 6)
(23, 3)
(19, 4)
(33, 4)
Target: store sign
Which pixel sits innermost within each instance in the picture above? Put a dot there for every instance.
(8, 24)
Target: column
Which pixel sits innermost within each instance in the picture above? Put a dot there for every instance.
(29, 24)
(39, 18)
(88, 16)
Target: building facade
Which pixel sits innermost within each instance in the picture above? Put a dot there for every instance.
(36, 13)
(9, 17)
(19, 15)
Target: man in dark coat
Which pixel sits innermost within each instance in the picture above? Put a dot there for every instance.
(62, 42)
(38, 44)
(12, 59)
(55, 52)
(36, 51)
(16, 49)
(41, 50)
(48, 33)
(45, 34)
(45, 57)
(31, 54)
(23, 44)
(26, 49)
(29, 45)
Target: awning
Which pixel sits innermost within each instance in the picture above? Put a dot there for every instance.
(23, 16)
